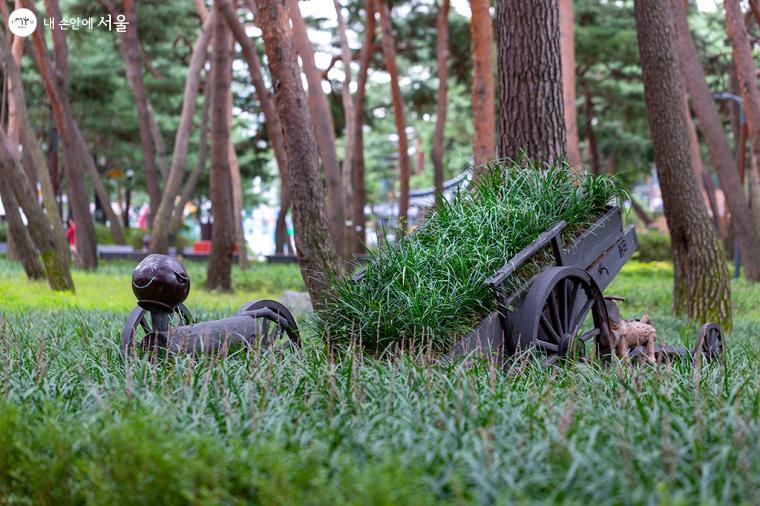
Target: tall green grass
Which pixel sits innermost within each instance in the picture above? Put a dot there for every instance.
(429, 287)
(79, 426)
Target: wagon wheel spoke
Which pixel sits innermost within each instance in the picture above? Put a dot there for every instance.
(144, 324)
(581, 315)
(547, 346)
(549, 329)
(265, 331)
(554, 310)
(589, 335)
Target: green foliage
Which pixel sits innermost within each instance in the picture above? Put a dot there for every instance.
(430, 286)
(3, 232)
(109, 288)
(77, 425)
(654, 246)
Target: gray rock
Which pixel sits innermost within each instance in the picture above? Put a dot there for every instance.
(297, 302)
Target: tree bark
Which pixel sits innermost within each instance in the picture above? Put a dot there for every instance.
(26, 135)
(746, 71)
(129, 45)
(531, 115)
(200, 166)
(53, 80)
(163, 218)
(271, 119)
(567, 53)
(316, 256)
(701, 284)
(389, 54)
(360, 192)
(219, 272)
(483, 96)
(25, 250)
(40, 229)
(237, 183)
(588, 112)
(711, 126)
(324, 128)
(442, 58)
(350, 136)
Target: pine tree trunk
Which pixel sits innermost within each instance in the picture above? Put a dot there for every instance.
(389, 53)
(129, 45)
(219, 272)
(28, 138)
(39, 229)
(324, 128)
(163, 217)
(588, 112)
(701, 285)
(350, 136)
(200, 166)
(483, 95)
(25, 251)
(567, 52)
(237, 185)
(531, 114)
(747, 232)
(442, 59)
(53, 80)
(316, 256)
(271, 120)
(746, 71)
(360, 192)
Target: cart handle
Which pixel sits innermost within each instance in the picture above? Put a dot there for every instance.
(551, 235)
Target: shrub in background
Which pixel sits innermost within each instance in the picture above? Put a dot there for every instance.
(654, 246)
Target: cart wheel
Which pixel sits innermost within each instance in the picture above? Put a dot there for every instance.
(272, 312)
(554, 312)
(139, 326)
(710, 341)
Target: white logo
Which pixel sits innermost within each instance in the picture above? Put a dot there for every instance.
(22, 22)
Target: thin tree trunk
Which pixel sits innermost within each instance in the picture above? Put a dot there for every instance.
(442, 59)
(219, 273)
(588, 112)
(350, 137)
(129, 45)
(26, 135)
(746, 227)
(746, 71)
(237, 187)
(701, 289)
(531, 114)
(200, 166)
(567, 52)
(483, 95)
(360, 192)
(324, 128)
(271, 118)
(163, 218)
(25, 252)
(40, 229)
(317, 258)
(389, 54)
(640, 212)
(79, 202)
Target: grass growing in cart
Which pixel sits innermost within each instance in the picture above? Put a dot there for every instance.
(429, 287)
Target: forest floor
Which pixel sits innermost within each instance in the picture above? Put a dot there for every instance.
(77, 425)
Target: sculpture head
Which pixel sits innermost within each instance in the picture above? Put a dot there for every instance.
(160, 282)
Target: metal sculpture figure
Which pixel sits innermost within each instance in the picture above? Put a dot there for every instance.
(162, 323)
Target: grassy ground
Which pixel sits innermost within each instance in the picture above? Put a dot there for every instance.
(77, 426)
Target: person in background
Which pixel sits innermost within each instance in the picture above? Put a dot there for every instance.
(71, 234)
